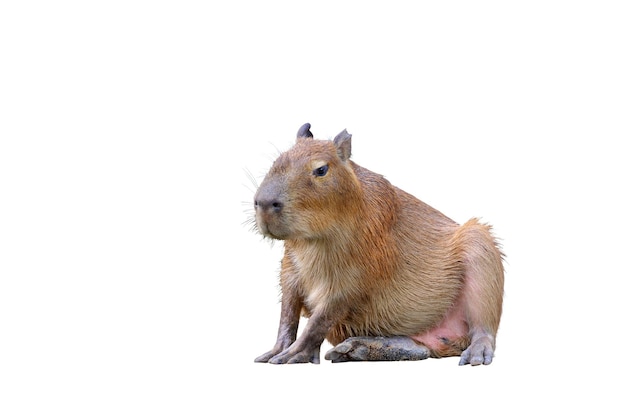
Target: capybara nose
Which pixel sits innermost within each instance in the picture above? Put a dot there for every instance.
(272, 205)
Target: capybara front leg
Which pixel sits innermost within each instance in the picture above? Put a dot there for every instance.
(307, 347)
(289, 319)
(369, 348)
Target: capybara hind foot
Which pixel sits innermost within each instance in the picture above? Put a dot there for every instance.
(369, 348)
(479, 352)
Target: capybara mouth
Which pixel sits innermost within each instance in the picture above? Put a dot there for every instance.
(271, 231)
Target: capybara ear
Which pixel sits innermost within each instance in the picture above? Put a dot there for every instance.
(304, 131)
(343, 142)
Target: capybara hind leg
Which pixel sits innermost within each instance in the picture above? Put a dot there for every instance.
(369, 348)
(483, 290)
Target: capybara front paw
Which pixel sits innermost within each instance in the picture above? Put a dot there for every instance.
(296, 356)
(264, 358)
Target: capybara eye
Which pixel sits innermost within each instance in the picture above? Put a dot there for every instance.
(321, 171)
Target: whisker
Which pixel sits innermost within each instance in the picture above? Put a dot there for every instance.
(252, 180)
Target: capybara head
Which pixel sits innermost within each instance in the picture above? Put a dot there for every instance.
(307, 191)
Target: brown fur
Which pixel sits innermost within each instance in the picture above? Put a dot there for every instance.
(364, 258)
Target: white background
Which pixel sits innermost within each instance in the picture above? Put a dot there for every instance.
(131, 285)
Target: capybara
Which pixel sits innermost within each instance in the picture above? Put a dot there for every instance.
(380, 274)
